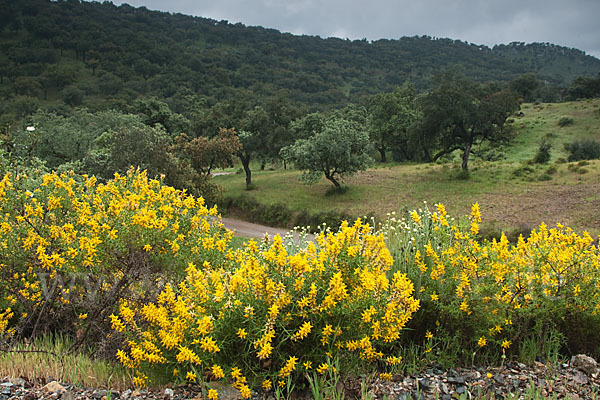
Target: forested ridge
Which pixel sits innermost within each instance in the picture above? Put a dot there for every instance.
(106, 54)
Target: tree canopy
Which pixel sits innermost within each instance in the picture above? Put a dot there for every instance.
(338, 150)
(461, 113)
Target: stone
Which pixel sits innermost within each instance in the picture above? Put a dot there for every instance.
(17, 381)
(125, 395)
(68, 396)
(584, 363)
(580, 378)
(53, 387)
(98, 394)
(169, 393)
(456, 380)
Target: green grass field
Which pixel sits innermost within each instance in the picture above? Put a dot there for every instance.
(511, 193)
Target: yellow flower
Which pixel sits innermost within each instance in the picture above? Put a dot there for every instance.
(266, 384)
(428, 335)
(217, 371)
(241, 333)
(416, 218)
(464, 306)
(385, 376)
(213, 394)
(245, 391)
(209, 344)
(289, 367)
(506, 344)
(307, 365)
(82, 316)
(482, 341)
(140, 379)
(321, 369)
(303, 331)
(434, 297)
(190, 376)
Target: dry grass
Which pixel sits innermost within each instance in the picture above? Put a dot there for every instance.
(48, 359)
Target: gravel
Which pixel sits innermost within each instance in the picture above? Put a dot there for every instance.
(579, 379)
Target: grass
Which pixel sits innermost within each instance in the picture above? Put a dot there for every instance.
(540, 121)
(507, 200)
(47, 358)
(512, 194)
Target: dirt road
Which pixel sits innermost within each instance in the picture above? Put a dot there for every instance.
(256, 231)
(248, 229)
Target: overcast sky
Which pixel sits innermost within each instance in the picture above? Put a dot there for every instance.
(571, 23)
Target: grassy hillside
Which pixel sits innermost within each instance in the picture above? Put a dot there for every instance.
(512, 194)
(540, 121)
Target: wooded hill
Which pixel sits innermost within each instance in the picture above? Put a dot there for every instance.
(100, 55)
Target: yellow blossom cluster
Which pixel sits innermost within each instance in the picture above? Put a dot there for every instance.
(485, 292)
(278, 313)
(70, 245)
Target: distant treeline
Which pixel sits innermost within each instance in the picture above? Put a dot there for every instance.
(103, 56)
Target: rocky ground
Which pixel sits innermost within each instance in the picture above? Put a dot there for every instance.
(579, 379)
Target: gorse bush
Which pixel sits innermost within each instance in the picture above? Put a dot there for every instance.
(489, 298)
(152, 268)
(70, 249)
(272, 315)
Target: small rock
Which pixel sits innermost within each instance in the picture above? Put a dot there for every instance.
(17, 381)
(53, 387)
(580, 378)
(125, 395)
(7, 384)
(68, 396)
(456, 380)
(98, 394)
(584, 363)
(425, 383)
(444, 388)
(6, 391)
(169, 393)
(29, 396)
(460, 389)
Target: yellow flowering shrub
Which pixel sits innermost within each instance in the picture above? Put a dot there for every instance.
(490, 297)
(273, 315)
(72, 248)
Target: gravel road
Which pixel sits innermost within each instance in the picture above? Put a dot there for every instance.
(250, 230)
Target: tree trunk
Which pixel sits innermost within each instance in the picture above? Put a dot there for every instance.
(427, 155)
(382, 153)
(245, 159)
(331, 177)
(465, 158)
